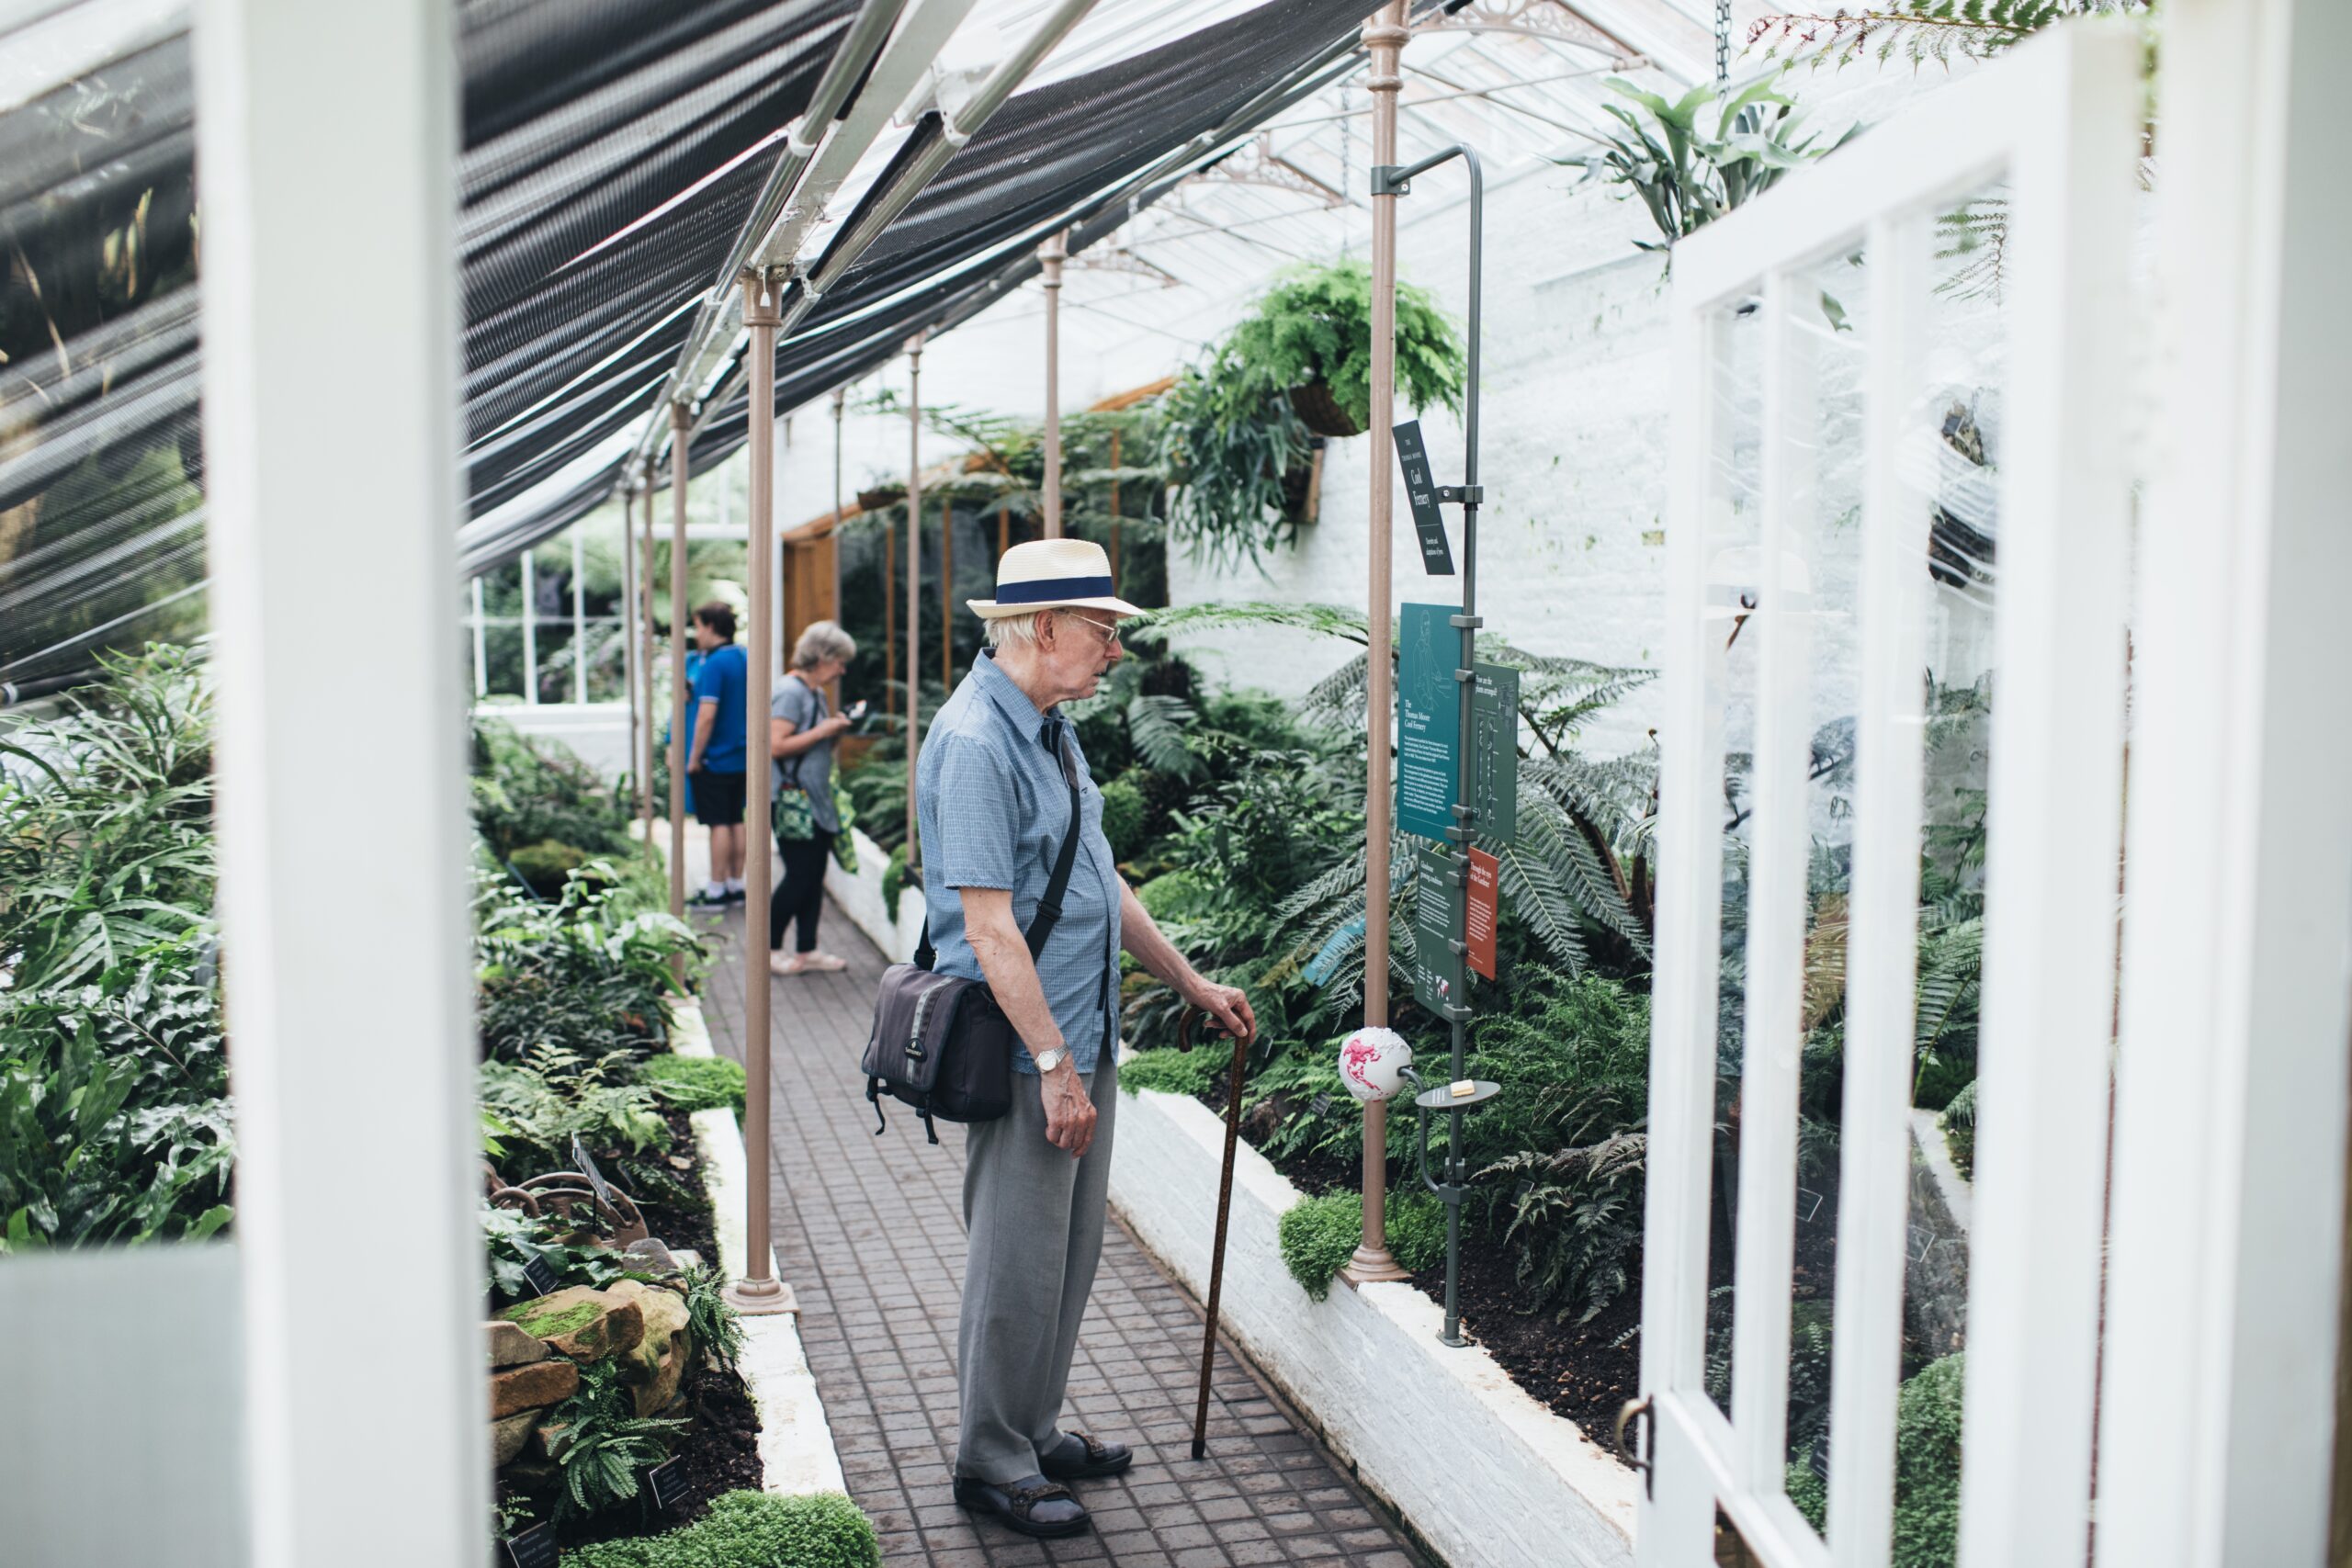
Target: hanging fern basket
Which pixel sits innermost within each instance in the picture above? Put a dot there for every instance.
(1322, 411)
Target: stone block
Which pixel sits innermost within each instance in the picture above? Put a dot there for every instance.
(657, 1364)
(508, 1435)
(510, 1346)
(533, 1387)
(583, 1324)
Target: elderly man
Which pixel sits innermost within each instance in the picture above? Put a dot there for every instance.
(993, 799)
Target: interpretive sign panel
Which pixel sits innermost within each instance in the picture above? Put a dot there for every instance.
(667, 1483)
(1494, 751)
(1438, 979)
(1420, 493)
(1429, 719)
(1478, 914)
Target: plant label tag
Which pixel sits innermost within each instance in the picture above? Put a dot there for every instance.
(1478, 922)
(1421, 493)
(540, 1275)
(667, 1483)
(1429, 719)
(534, 1548)
(586, 1165)
(1494, 751)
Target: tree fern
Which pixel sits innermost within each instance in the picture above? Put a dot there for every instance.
(1157, 728)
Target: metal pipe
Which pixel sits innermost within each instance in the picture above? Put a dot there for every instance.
(681, 706)
(861, 42)
(1385, 34)
(579, 618)
(530, 631)
(645, 658)
(880, 208)
(914, 584)
(1051, 255)
(834, 541)
(890, 616)
(481, 654)
(758, 1290)
(628, 610)
(947, 594)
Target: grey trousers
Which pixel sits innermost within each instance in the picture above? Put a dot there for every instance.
(1036, 1221)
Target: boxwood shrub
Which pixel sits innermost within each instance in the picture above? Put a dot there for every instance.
(694, 1083)
(751, 1530)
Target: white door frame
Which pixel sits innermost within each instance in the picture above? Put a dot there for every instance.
(2059, 121)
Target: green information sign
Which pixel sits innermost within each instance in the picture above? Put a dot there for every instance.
(1439, 981)
(1429, 719)
(1494, 752)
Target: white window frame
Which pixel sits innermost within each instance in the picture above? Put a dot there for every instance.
(2058, 120)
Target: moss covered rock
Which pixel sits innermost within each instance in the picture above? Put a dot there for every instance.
(655, 1367)
(583, 1324)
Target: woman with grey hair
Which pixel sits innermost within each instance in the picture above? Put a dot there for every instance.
(801, 730)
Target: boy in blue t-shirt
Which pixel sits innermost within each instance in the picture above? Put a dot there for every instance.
(716, 762)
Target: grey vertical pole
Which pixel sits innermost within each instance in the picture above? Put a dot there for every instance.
(579, 619)
(1051, 253)
(1385, 34)
(914, 582)
(840, 397)
(530, 630)
(680, 708)
(645, 661)
(628, 613)
(759, 1291)
(1466, 830)
(481, 654)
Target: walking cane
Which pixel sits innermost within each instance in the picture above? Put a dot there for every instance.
(1224, 1209)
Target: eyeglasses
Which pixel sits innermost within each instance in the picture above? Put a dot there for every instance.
(1109, 634)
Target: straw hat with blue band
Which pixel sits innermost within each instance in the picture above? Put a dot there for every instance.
(1052, 574)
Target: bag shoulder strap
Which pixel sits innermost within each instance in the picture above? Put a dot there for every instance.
(1049, 906)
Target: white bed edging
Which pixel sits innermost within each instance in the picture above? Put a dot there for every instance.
(796, 1453)
(860, 898)
(1486, 1476)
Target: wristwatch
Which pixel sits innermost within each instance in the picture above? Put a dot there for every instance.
(1049, 1060)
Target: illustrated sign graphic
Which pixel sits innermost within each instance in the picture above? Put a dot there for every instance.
(1478, 930)
(1439, 981)
(1421, 493)
(1494, 751)
(1429, 719)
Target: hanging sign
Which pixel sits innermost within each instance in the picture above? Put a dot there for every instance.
(1421, 493)
(1438, 906)
(1478, 911)
(1494, 752)
(1428, 722)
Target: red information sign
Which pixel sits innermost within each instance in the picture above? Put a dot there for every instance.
(1478, 928)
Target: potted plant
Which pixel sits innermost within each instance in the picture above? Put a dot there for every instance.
(1310, 340)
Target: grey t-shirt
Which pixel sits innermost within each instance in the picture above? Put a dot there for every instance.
(803, 706)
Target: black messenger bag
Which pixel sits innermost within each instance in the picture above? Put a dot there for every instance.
(940, 1042)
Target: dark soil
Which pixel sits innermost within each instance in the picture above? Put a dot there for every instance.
(719, 1451)
(1583, 1371)
(721, 1454)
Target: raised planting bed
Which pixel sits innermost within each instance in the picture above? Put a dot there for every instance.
(1365, 1366)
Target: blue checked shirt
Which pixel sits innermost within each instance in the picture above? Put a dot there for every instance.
(992, 805)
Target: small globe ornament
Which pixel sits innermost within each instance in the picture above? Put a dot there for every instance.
(1373, 1062)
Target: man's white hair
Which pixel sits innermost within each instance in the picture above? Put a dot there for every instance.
(1016, 631)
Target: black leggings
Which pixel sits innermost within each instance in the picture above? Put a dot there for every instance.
(801, 895)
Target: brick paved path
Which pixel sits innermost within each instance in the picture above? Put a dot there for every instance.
(870, 1233)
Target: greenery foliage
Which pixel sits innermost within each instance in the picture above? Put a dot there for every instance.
(1318, 1235)
(115, 1119)
(527, 795)
(1314, 325)
(694, 1083)
(751, 1530)
(1233, 444)
(552, 1097)
(600, 1446)
(713, 1321)
(1693, 158)
(1917, 30)
(1170, 1071)
(587, 976)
